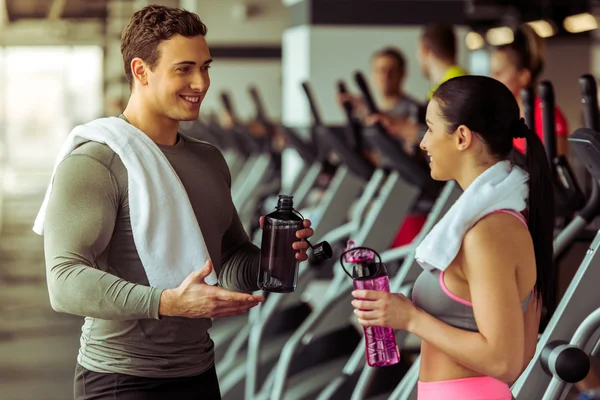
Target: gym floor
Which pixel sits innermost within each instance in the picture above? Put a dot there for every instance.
(38, 346)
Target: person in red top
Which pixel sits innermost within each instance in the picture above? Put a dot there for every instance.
(519, 65)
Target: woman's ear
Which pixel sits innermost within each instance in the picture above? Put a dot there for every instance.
(464, 138)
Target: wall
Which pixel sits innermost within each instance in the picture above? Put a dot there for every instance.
(568, 59)
(322, 55)
(235, 76)
(265, 23)
(263, 26)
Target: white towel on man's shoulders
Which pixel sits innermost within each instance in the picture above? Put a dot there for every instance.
(502, 186)
(165, 229)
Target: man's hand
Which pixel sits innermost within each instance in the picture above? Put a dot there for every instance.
(195, 299)
(301, 245)
(403, 128)
(358, 104)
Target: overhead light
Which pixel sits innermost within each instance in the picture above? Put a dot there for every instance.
(543, 28)
(499, 36)
(580, 23)
(474, 41)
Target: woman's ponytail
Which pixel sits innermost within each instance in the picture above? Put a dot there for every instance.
(540, 215)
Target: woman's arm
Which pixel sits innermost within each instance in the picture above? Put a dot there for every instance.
(497, 350)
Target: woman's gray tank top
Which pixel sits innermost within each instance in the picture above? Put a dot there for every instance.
(432, 296)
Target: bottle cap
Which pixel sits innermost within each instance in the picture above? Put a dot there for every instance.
(322, 251)
(365, 270)
(285, 202)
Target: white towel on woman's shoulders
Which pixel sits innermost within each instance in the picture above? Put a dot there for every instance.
(502, 186)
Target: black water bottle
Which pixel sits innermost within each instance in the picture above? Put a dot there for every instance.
(278, 265)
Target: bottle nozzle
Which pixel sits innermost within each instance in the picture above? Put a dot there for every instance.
(321, 251)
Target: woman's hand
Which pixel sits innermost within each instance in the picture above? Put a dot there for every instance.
(388, 310)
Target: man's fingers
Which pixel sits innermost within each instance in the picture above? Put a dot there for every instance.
(218, 304)
(301, 245)
(199, 275)
(305, 233)
(301, 256)
(227, 295)
(203, 272)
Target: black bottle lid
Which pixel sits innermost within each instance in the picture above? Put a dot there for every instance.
(321, 251)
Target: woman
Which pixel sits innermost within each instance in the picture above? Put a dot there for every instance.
(519, 65)
(472, 121)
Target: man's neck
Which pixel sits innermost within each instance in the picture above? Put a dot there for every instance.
(520, 103)
(389, 101)
(160, 129)
(438, 70)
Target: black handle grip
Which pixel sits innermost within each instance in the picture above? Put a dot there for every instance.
(546, 92)
(226, 101)
(569, 187)
(364, 88)
(347, 105)
(354, 127)
(589, 100)
(313, 105)
(261, 115)
(408, 167)
(528, 99)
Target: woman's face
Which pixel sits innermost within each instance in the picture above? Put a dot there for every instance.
(439, 145)
(503, 69)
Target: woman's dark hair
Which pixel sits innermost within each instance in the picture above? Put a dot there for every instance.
(488, 108)
(526, 51)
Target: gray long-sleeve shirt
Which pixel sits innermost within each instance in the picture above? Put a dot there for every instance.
(94, 269)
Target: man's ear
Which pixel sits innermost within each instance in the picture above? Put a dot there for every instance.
(139, 70)
(464, 138)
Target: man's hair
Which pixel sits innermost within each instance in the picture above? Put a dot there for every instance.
(396, 54)
(152, 25)
(440, 39)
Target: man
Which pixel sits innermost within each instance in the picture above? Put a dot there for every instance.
(139, 341)
(437, 56)
(388, 71)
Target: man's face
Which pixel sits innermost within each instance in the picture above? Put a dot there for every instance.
(178, 84)
(386, 75)
(503, 68)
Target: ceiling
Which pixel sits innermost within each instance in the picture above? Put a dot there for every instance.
(484, 11)
(64, 9)
(480, 12)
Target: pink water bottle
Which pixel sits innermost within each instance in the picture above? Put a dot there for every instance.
(369, 274)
